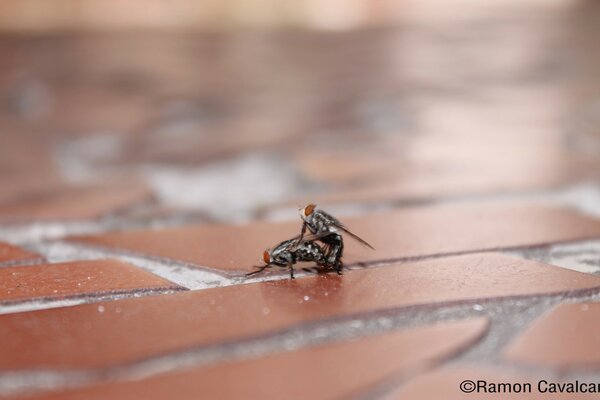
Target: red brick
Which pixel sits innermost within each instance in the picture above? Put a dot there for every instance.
(569, 336)
(55, 281)
(26, 164)
(350, 167)
(441, 165)
(9, 252)
(330, 371)
(445, 384)
(395, 235)
(75, 202)
(362, 179)
(425, 186)
(135, 329)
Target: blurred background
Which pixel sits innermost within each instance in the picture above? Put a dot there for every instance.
(155, 112)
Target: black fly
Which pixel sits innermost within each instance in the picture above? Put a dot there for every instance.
(290, 252)
(327, 229)
(323, 228)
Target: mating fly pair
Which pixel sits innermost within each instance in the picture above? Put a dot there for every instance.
(322, 227)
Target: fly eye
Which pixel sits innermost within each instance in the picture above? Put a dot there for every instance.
(266, 257)
(309, 209)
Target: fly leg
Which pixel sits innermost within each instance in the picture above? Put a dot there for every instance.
(334, 256)
(324, 262)
(339, 267)
(259, 270)
(291, 267)
(302, 233)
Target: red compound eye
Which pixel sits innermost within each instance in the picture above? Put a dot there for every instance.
(309, 209)
(266, 257)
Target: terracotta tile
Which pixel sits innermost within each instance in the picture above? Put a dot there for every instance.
(441, 165)
(75, 202)
(27, 185)
(334, 168)
(329, 371)
(395, 235)
(385, 175)
(242, 134)
(435, 184)
(566, 337)
(135, 329)
(445, 384)
(459, 165)
(101, 109)
(9, 252)
(25, 161)
(49, 281)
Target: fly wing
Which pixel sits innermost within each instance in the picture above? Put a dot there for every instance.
(338, 224)
(335, 222)
(307, 238)
(286, 244)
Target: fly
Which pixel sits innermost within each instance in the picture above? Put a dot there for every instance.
(290, 252)
(328, 230)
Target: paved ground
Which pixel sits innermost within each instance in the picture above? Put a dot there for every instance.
(144, 174)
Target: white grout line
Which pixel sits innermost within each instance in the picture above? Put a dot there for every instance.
(34, 305)
(184, 275)
(45, 230)
(581, 256)
(44, 304)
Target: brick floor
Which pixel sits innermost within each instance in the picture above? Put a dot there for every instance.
(9, 253)
(58, 281)
(566, 337)
(190, 320)
(396, 235)
(345, 369)
(74, 203)
(142, 174)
